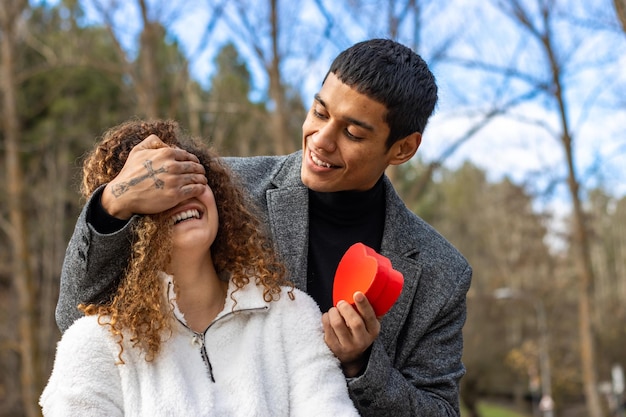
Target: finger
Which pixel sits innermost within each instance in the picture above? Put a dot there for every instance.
(339, 318)
(194, 179)
(191, 190)
(183, 155)
(330, 337)
(366, 311)
(187, 168)
(353, 321)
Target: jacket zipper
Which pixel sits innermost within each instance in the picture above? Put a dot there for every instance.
(198, 339)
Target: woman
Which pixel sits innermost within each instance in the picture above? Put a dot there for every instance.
(203, 322)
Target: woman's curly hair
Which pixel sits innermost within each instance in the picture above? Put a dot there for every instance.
(240, 250)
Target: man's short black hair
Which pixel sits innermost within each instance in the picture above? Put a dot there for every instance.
(393, 75)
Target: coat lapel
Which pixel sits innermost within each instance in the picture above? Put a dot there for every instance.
(402, 249)
(288, 211)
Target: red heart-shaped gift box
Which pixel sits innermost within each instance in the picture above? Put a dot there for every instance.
(362, 269)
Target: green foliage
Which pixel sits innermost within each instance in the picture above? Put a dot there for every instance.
(235, 125)
(232, 77)
(65, 104)
(492, 410)
(169, 67)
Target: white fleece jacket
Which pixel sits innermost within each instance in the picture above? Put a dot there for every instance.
(262, 360)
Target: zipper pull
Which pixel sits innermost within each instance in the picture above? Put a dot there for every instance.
(197, 340)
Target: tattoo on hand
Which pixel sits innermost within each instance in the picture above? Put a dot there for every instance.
(120, 189)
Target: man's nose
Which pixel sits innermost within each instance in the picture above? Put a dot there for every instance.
(326, 137)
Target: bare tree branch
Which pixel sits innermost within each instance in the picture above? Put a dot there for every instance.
(620, 11)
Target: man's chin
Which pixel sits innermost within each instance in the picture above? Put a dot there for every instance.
(316, 181)
(309, 182)
(306, 179)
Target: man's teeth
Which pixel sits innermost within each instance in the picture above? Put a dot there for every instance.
(188, 214)
(319, 162)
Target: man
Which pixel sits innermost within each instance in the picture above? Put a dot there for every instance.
(370, 113)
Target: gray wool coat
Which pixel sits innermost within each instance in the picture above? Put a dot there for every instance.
(415, 365)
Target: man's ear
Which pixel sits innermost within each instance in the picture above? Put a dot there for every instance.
(404, 149)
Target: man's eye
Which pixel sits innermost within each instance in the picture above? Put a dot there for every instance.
(350, 135)
(318, 114)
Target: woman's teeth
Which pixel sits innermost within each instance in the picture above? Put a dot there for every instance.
(187, 214)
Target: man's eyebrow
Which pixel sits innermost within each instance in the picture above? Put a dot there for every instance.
(359, 123)
(350, 120)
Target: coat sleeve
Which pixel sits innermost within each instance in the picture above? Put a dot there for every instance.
(423, 376)
(92, 266)
(317, 385)
(85, 379)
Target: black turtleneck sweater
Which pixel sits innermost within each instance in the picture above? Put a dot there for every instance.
(337, 221)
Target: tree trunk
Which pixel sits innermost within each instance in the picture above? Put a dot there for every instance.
(280, 116)
(10, 13)
(585, 279)
(51, 210)
(620, 11)
(146, 82)
(581, 251)
(194, 108)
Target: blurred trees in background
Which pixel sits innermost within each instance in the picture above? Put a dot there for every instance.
(74, 68)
